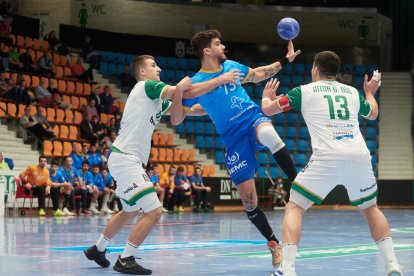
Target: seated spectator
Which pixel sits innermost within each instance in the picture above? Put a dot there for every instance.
(111, 139)
(30, 123)
(112, 126)
(90, 54)
(4, 56)
(153, 176)
(104, 192)
(52, 39)
(98, 127)
(95, 157)
(3, 164)
(36, 178)
(85, 151)
(79, 71)
(165, 181)
(79, 188)
(180, 191)
(45, 65)
(49, 97)
(109, 183)
(59, 187)
(19, 94)
(278, 193)
(108, 101)
(92, 190)
(95, 96)
(126, 81)
(200, 191)
(86, 130)
(26, 59)
(4, 85)
(77, 156)
(105, 156)
(90, 108)
(14, 63)
(41, 119)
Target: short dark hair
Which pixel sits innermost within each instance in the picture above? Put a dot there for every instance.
(328, 63)
(155, 165)
(180, 169)
(54, 162)
(138, 62)
(197, 167)
(203, 40)
(42, 157)
(85, 162)
(95, 166)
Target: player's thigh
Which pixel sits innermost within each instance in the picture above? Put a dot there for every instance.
(315, 181)
(361, 184)
(247, 191)
(241, 160)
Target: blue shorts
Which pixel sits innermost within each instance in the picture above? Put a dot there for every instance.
(241, 154)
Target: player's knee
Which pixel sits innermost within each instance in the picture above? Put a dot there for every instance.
(297, 200)
(268, 137)
(155, 214)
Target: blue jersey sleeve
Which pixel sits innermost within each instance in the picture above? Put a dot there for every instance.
(188, 103)
(243, 69)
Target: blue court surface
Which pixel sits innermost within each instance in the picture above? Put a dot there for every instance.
(333, 243)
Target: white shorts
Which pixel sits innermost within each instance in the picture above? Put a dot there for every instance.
(133, 185)
(320, 177)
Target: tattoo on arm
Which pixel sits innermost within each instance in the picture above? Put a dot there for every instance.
(264, 72)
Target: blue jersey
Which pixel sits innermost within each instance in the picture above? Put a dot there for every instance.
(86, 177)
(229, 106)
(57, 178)
(95, 159)
(70, 175)
(108, 180)
(77, 160)
(154, 179)
(197, 179)
(98, 181)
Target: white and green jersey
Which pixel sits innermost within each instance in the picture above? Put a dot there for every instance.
(330, 110)
(142, 113)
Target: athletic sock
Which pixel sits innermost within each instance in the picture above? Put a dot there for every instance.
(258, 218)
(285, 162)
(289, 256)
(102, 243)
(129, 250)
(386, 248)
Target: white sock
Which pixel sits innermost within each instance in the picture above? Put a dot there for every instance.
(129, 250)
(386, 248)
(289, 256)
(102, 243)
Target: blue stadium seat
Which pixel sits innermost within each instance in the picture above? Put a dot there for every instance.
(287, 69)
(348, 66)
(129, 58)
(360, 70)
(208, 142)
(262, 158)
(291, 132)
(120, 57)
(191, 73)
(283, 90)
(372, 123)
(257, 101)
(198, 128)
(280, 130)
(300, 160)
(304, 133)
(299, 68)
(208, 128)
(171, 62)
(161, 61)
(302, 121)
(280, 119)
(194, 64)
(119, 69)
(274, 172)
(189, 127)
(372, 67)
(290, 144)
(359, 81)
(297, 80)
(285, 80)
(372, 145)
(249, 90)
(303, 145)
(103, 68)
(109, 56)
(374, 159)
(258, 92)
(179, 75)
(309, 67)
(219, 157)
(169, 75)
(261, 172)
(182, 63)
(180, 128)
(371, 133)
(200, 142)
(308, 79)
(111, 69)
(219, 144)
(292, 119)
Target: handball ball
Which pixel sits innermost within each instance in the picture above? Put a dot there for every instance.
(288, 28)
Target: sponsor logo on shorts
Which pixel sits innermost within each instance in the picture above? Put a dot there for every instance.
(232, 159)
(368, 188)
(240, 166)
(131, 188)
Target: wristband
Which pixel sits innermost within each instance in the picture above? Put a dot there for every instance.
(283, 61)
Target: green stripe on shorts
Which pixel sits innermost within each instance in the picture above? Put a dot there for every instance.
(140, 194)
(306, 193)
(364, 199)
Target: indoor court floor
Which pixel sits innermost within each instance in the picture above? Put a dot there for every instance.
(333, 243)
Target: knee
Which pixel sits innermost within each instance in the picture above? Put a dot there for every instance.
(293, 207)
(155, 215)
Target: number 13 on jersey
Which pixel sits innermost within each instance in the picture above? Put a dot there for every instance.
(340, 105)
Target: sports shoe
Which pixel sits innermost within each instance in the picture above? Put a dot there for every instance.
(93, 254)
(67, 212)
(128, 265)
(59, 213)
(276, 251)
(180, 209)
(281, 272)
(42, 213)
(93, 209)
(165, 210)
(106, 210)
(85, 212)
(394, 270)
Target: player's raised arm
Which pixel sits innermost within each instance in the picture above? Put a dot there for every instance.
(264, 72)
(370, 88)
(270, 105)
(176, 109)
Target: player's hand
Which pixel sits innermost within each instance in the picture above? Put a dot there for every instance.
(233, 76)
(269, 91)
(371, 87)
(47, 190)
(184, 84)
(291, 54)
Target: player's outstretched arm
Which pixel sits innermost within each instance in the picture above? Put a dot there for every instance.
(371, 88)
(201, 88)
(264, 72)
(270, 105)
(176, 109)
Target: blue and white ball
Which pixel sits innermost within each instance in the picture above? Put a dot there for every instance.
(288, 28)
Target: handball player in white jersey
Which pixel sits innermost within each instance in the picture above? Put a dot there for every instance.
(148, 100)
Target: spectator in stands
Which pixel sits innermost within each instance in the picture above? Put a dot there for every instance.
(95, 157)
(112, 126)
(85, 151)
(59, 187)
(79, 71)
(95, 96)
(89, 53)
(180, 190)
(45, 65)
(98, 127)
(103, 191)
(126, 81)
(52, 39)
(77, 156)
(30, 123)
(3, 164)
(4, 56)
(86, 177)
(71, 175)
(165, 181)
(49, 97)
(109, 183)
(90, 108)
(41, 119)
(14, 63)
(86, 130)
(278, 193)
(153, 176)
(36, 178)
(5, 30)
(26, 59)
(19, 94)
(4, 86)
(200, 191)
(346, 77)
(111, 139)
(108, 101)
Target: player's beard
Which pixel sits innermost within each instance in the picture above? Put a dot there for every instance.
(222, 58)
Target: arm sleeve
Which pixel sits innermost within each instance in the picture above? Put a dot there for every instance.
(165, 105)
(295, 98)
(155, 89)
(364, 107)
(188, 103)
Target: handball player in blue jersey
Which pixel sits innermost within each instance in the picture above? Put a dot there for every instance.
(241, 124)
